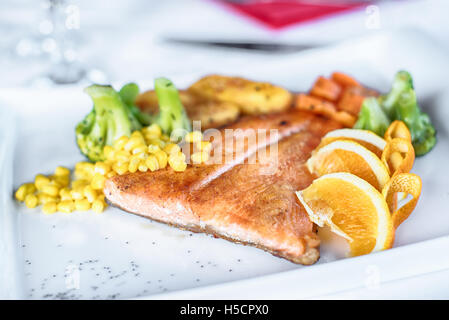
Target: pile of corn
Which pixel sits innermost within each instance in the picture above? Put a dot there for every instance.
(58, 193)
(146, 149)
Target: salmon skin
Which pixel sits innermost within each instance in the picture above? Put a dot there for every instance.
(245, 199)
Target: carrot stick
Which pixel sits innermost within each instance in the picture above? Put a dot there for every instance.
(325, 88)
(344, 80)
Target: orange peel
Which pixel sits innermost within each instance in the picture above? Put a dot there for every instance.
(398, 156)
(405, 183)
(398, 129)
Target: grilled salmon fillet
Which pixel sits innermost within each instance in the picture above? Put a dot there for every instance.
(245, 198)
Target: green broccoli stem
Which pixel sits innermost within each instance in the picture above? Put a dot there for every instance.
(129, 93)
(172, 116)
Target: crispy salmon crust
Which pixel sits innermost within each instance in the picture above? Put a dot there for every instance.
(247, 199)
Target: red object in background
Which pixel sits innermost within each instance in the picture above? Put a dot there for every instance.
(277, 14)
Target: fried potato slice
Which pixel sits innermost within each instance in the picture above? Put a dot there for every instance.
(212, 114)
(252, 97)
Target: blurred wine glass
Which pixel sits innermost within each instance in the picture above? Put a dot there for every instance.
(60, 31)
(42, 42)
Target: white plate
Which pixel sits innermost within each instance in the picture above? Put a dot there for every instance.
(118, 255)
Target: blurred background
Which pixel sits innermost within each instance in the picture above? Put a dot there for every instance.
(57, 42)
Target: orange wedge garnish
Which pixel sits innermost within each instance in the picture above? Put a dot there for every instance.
(354, 196)
(366, 138)
(351, 208)
(349, 156)
(403, 183)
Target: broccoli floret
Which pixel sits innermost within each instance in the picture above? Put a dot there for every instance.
(109, 120)
(399, 104)
(115, 114)
(402, 83)
(372, 117)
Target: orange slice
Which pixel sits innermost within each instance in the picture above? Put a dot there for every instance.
(402, 183)
(351, 208)
(366, 138)
(398, 156)
(398, 129)
(351, 157)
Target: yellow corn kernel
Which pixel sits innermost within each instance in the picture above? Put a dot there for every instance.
(165, 138)
(133, 165)
(24, 190)
(153, 148)
(102, 168)
(180, 155)
(203, 146)
(82, 205)
(156, 141)
(21, 193)
(50, 189)
(172, 148)
(122, 156)
(43, 198)
(80, 174)
(90, 193)
(120, 143)
(137, 133)
(89, 168)
(152, 163)
(151, 137)
(110, 174)
(162, 158)
(80, 165)
(176, 162)
(98, 181)
(139, 149)
(199, 157)
(153, 129)
(194, 136)
(61, 181)
(40, 181)
(79, 183)
(121, 167)
(66, 206)
(83, 169)
(139, 156)
(62, 171)
(142, 167)
(50, 207)
(65, 194)
(108, 152)
(133, 142)
(77, 193)
(31, 201)
(98, 206)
